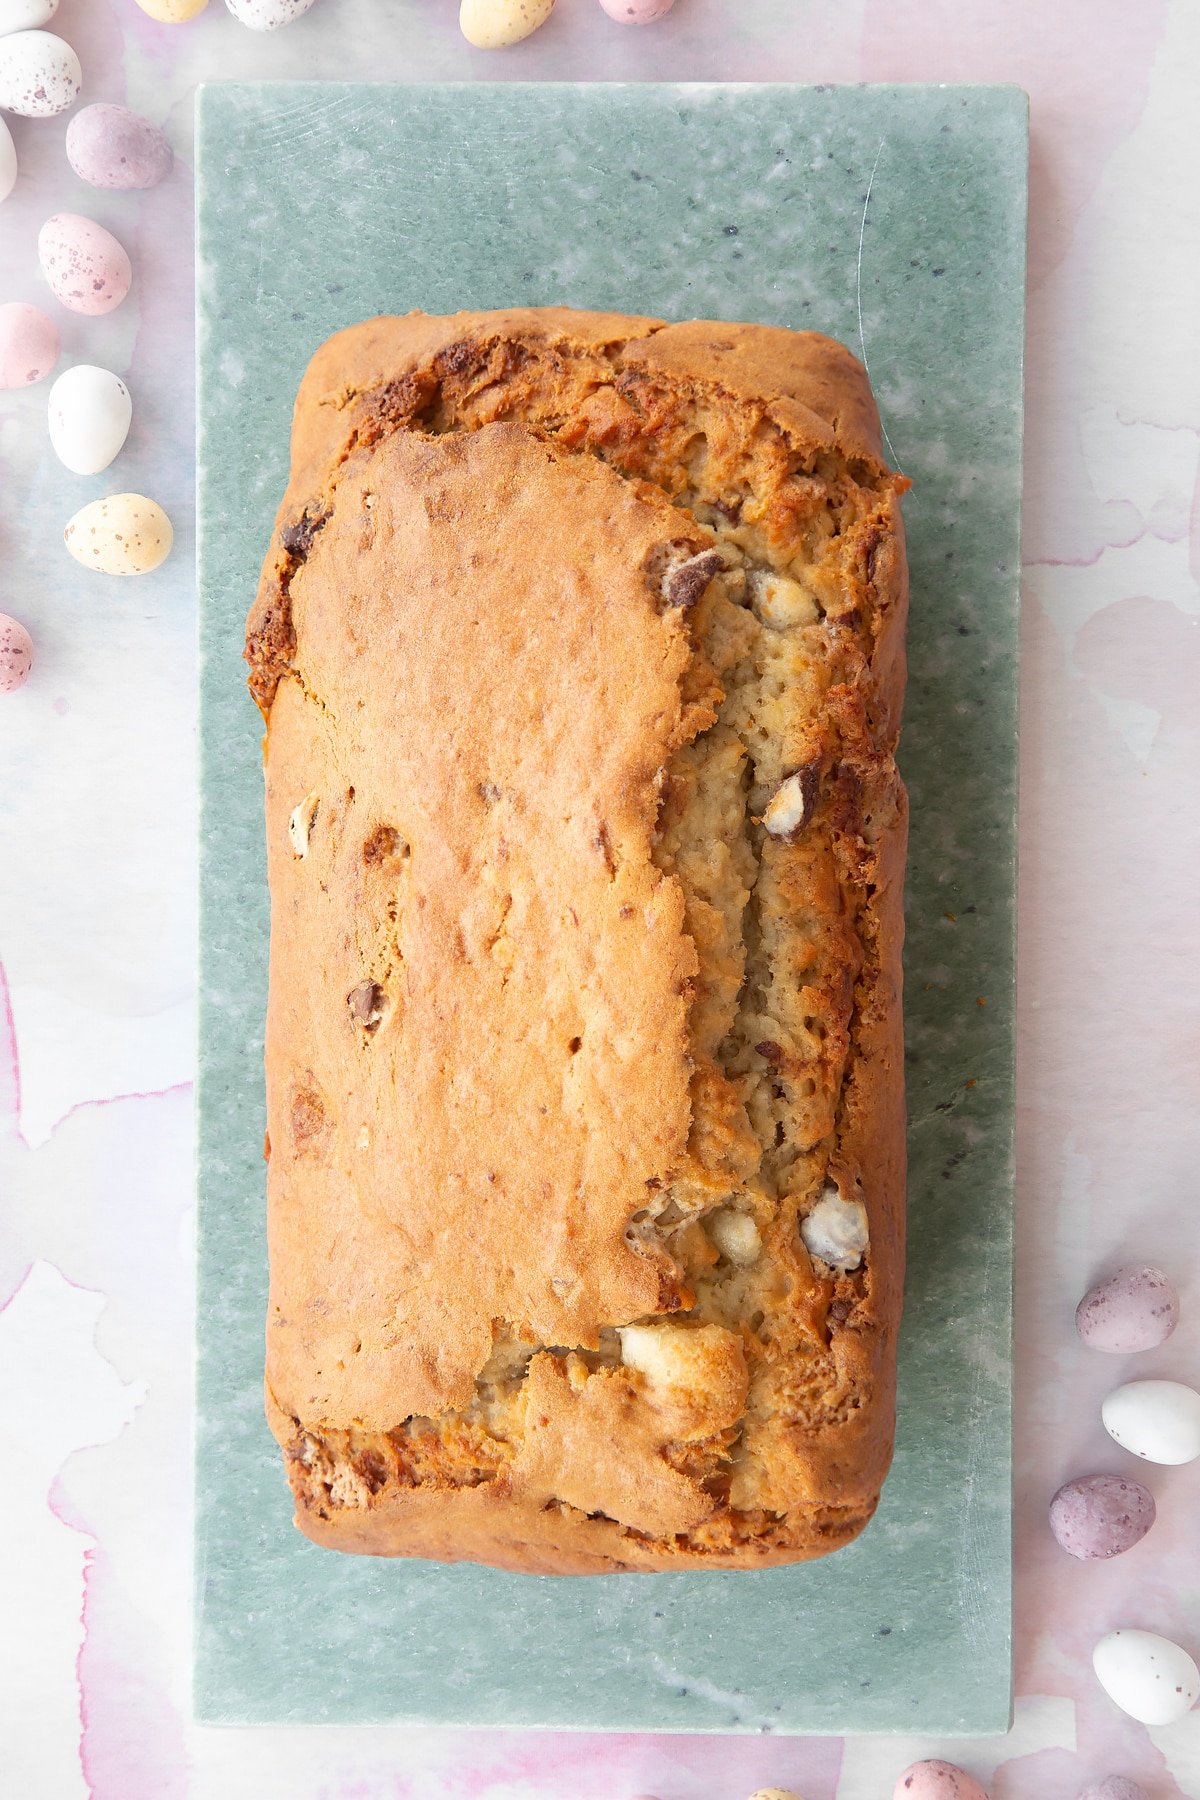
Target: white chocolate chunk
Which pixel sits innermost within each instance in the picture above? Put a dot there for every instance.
(735, 1235)
(303, 818)
(782, 603)
(676, 1356)
(789, 806)
(836, 1231)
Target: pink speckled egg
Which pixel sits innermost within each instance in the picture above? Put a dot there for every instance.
(1101, 1516)
(1135, 1309)
(16, 654)
(637, 12)
(111, 147)
(937, 1781)
(29, 345)
(84, 264)
(1114, 1788)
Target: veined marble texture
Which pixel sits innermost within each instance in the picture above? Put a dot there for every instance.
(97, 876)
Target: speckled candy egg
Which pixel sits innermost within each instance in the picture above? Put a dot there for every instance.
(84, 264)
(39, 74)
(1147, 1676)
(495, 24)
(28, 345)
(25, 15)
(776, 1794)
(89, 414)
(1115, 1787)
(1156, 1420)
(8, 162)
(111, 147)
(937, 1781)
(267, 15)
(637, 12)
(1135, 1309)
(123, 535)
(16, 654)
(172, 12)
(1101, 1516)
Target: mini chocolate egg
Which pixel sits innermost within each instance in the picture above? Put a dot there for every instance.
(28, 345)
(776, 1794)
(16, 654)
(267, 15)
(637, 12)
(123, 535)
(1147, 1676)
(111, 147)
(25, 15)
(172, 12)
(1114, 1787)
(1135, 1309)
(1156, 1420)
(8, 162)
(39, 74)
(1100, 1516)
(937, 1781)
(495, 24)
(89, 415)
(84, 264)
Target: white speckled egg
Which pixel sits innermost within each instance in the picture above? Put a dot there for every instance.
(495, 24)
(1147, 1676)
(1135, 1309)
(267, 15)
(1101, 1516)
(637, 12)
(1157, 1420)
(89, 414)
(16, 654)
(87, 269)
(123, 535)
(172, 12)
(28, 345)
(25, 15)
(937, 1781)
(8, 162)
(39, 74)
(111, 147)
(1114, 1787)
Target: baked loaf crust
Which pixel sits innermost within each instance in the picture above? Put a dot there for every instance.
(580, 647)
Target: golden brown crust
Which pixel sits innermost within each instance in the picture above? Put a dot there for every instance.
(487, 982)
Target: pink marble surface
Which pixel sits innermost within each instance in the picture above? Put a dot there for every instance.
(97, 836)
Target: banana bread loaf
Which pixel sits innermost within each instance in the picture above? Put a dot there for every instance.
(580, 649)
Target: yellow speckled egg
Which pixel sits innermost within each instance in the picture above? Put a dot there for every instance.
(494, 24)
(173, 12)
(123, 535)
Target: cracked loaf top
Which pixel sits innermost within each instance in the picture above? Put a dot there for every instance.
(580, 646)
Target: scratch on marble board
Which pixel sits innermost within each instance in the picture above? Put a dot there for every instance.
(740, 1706)
(862, 342)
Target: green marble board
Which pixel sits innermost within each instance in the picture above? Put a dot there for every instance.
(320, 205)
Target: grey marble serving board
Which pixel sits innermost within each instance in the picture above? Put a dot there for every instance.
(320, 205)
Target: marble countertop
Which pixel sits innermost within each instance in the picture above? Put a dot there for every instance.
(97, 873)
